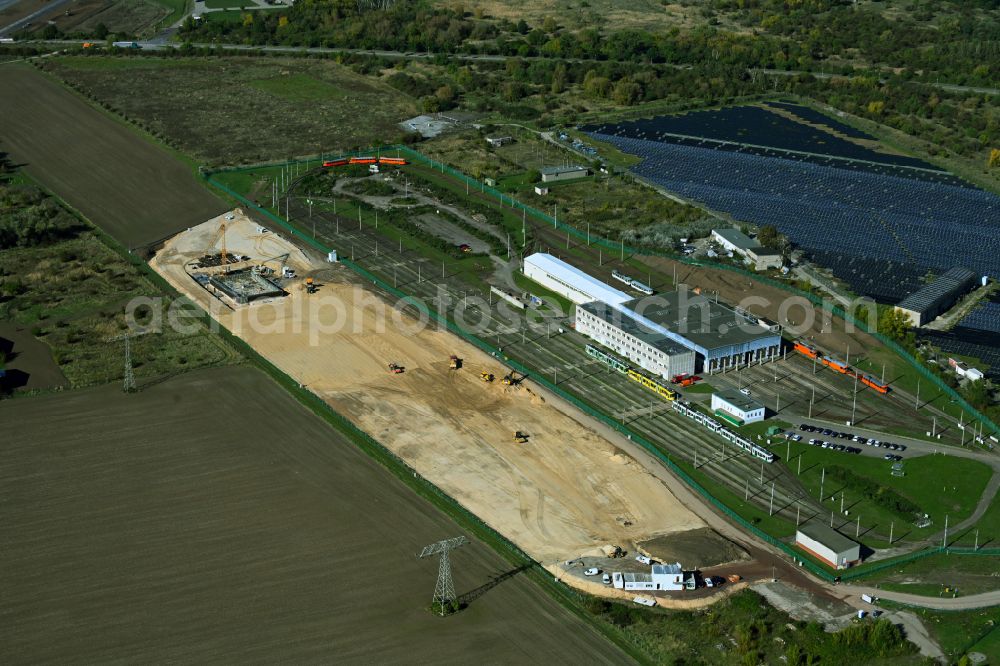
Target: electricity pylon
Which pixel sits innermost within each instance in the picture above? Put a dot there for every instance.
(444, 590)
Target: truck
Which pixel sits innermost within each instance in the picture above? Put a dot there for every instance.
(126, 45)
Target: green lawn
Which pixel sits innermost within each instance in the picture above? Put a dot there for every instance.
(963, 574)
(938, 484)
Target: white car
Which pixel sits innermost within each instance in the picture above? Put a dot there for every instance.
(745, 391)
(645, 559)
(592, 571)
(606, 579)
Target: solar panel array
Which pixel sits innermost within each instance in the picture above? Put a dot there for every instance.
(752, 125)
(813, 116)
(924, 224)
(985, 317)
(885, 281)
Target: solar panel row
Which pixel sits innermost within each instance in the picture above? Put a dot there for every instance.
(752, 125)
(813, 116)
(985, 317)
(880, 279)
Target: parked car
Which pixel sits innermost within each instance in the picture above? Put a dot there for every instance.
(745, 391)
(645, 559)
(606, 579)
(592, 571)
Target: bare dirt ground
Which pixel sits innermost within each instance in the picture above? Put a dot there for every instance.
(695, 548)
(212, 519)
(134, 190)
(564, 493)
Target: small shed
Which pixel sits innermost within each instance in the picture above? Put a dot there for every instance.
(827, 544)
(541, 190)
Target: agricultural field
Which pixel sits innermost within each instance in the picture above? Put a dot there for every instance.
(231, 111)
(135, 191)
(121, 17)
(235, 525)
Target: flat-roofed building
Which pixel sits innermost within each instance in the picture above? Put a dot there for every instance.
(651, 350)
(720, 336)
(737, 407)
(552, 174)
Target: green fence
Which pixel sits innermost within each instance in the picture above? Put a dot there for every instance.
(816, 568)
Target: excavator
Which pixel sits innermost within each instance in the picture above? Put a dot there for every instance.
(486, 376)
(456, 362)
(520, 437)
(511, 379)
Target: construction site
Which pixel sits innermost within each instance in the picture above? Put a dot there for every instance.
(532, 468)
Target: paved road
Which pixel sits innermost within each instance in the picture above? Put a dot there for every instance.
(984, 600)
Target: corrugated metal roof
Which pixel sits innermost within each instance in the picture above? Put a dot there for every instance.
(577, 279)
(952, 282)
(667, 569)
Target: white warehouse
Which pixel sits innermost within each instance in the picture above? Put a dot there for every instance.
(827, 544)
(571, 282)
(661, 577)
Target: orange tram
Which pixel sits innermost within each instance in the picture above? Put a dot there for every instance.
(841, 367)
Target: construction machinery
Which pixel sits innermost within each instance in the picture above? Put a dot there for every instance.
(486, 376)
(734, 578)
(310, 286)
(396, 369)
(455, 362)
(511, 379)
(520, 437)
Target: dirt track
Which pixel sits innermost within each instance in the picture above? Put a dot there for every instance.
(563, 494)
(130, 188)
(212, 519)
